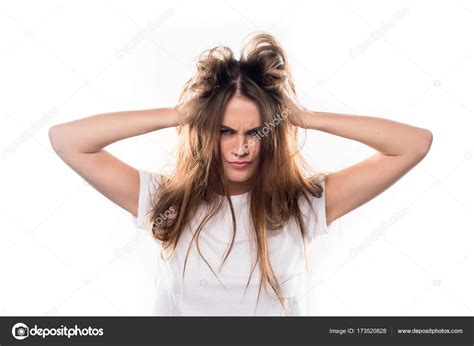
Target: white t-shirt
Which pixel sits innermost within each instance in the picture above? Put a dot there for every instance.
(202, 294)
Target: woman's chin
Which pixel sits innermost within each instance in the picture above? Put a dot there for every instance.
(238, 178)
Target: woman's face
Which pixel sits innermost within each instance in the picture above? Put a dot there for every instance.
(240, 147)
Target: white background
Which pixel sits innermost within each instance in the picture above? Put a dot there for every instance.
(67, 250)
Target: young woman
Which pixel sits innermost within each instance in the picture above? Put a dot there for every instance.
(241, 205)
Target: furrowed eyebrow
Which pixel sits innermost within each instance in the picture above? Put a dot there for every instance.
(249, 131)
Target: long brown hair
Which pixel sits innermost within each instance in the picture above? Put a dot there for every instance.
(262, 75)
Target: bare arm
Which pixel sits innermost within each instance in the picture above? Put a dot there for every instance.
(400, 147)
(80, 144)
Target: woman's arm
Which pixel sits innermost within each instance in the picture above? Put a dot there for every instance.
(80, 144)
(386, 136)
(400, 147)
(91, 134)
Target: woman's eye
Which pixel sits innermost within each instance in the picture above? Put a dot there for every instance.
(225, 132)
(230, 132)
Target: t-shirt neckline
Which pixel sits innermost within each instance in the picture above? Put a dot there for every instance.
(239, 198)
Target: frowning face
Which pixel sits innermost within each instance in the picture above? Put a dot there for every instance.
(240, 148)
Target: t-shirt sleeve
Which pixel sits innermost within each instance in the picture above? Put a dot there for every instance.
(317, 222)
(148, 185)
(320, 206)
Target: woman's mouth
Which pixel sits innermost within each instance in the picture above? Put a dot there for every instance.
(239, 164)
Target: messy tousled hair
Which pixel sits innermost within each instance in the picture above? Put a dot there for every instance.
(262, 75)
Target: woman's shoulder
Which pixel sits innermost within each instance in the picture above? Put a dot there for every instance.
(313, 206)
(152, 179)
(150, 183)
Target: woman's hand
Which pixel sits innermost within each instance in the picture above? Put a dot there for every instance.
(179, 114)
(296, 112)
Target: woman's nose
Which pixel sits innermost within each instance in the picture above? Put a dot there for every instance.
(241, 147)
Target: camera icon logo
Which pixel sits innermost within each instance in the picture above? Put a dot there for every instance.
(20, 331)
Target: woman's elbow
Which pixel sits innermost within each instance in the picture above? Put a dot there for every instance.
(426, 139)
(56, 137)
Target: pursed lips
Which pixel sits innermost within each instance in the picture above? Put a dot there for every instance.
(239, 164)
